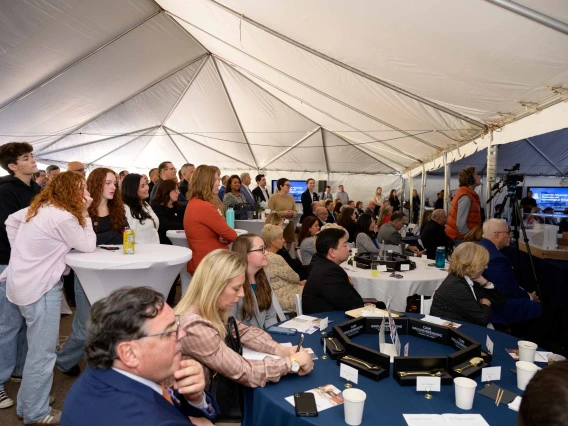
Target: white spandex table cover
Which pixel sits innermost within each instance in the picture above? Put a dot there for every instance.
(424, 280)
(253, 226)
(103, 271)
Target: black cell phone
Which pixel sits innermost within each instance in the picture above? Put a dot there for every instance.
(431, 264)
(305, 403)
(109, 248)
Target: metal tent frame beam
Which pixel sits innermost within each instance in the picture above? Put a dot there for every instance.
(324, 151)
(543, 155)
(120, 147)
(350, 68)
(531, 14)
(290, 148)
(74, 64)
(235, 113)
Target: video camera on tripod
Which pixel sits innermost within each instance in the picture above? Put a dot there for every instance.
(509, 180)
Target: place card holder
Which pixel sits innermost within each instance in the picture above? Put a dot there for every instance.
(354, 327)
(459, 341)
(420, 363)
(426, 330)
(370, 357)
(461, 358)
(373, 325)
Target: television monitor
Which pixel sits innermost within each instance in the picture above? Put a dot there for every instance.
(555, 197)
(297, 187)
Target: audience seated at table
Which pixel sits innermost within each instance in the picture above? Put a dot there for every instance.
(546, 397)
(141, 218)
(389, 233)
(306, 238)
(366, 240)
(108, 217)
(394, 201)
(384, 214)
(168, 210)
(283, 203)
(233, 198)
(475, 235)
(534, 321)
(328, 287)
(461, 296)
(295, 264)
(322, 214)
(257, 307)
(433, 234)
(284, 281)
(358, 209)
(216, 287)
(347, 220)
(426, 217)
(40, 236)
(133, 350)
(204, 225)
(330, 215)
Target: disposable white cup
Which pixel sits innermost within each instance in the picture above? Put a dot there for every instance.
(354, 402)
(525, 372)
(527, 350)
(465, 392)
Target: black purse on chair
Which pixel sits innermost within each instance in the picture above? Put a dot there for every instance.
(228, 393)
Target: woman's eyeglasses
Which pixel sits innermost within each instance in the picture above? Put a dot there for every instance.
(262, 250)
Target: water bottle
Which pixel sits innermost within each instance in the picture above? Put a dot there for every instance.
(230, 217)
(440, 257)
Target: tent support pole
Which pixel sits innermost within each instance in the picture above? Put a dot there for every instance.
(543, 155)
(403, 194)
(350, 68)
(324, 151)
(531, 14)
(50, 79)
(410, 191)
(236, 115)
(491, 173)
(447, 174)
(208, 147)
(120, 147)
(422, 192)
(291, 147)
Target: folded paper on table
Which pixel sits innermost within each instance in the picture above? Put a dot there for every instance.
(516, 404)
(303, 323)
(445, 419)
(259, 356)
(326, 396)
(440, 321)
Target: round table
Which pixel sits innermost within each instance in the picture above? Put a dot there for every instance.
(386, 400)
(253, 226)
(178, 238)
(103, 271)
(423, 280)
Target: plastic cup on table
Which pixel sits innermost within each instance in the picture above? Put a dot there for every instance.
(465, 392)
(525, 372)
(527, 351)
(354, 403)
(375, 270)
(552, 358)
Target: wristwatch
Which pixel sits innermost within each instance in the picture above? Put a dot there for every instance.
(295, 364)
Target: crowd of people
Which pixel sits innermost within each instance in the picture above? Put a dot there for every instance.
(138, 343)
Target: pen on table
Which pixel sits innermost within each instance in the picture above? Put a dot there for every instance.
(300, 343)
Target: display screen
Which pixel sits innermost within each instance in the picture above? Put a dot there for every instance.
(297, 187)
(555, 197)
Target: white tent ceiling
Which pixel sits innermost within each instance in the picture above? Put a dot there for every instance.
(319, 86)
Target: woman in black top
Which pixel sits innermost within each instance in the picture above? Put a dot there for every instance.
(109, 220)
(460, 296)
(439, 204)
(169, 211)
(347, 220)
(393, 200)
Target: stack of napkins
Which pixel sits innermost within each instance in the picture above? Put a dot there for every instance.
(515, 404)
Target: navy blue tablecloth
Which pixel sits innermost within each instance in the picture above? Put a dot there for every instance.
(386, 400)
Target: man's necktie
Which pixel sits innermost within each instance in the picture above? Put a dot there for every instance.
(166, 395)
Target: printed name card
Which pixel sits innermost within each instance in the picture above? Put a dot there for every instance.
(404, 267)
(489, 344)
(428, 331)
(324, 323)
(382, 268)
(428, 384)
(348, 373)
(490, 374)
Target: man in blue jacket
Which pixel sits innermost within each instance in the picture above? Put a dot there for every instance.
(133, 349)
(520, 305)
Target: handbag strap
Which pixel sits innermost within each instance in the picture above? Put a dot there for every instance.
(234, 342)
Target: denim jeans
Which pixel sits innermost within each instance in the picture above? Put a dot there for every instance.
(42, 319)
(72, 350)
(13, 342)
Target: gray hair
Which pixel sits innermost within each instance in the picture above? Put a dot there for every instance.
(492, 225)
(119, 317)
(437, 214)
(315, 205)
(185, 166)
(244, 176)
(50, 168)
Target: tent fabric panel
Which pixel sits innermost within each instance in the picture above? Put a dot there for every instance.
(39, 39)
(307, 156)
(205, 115)
(414, 53)
(147, 109)
(139, 59)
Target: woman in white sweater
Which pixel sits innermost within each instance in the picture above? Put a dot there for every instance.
(141, 218)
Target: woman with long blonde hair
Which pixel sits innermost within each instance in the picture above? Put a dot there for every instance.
(56, 222)
(384, 215)
(216, 287)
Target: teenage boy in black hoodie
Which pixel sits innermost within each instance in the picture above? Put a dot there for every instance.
(16, 193)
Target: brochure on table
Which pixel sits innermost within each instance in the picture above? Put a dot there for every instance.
(445, 420)
(326, 396)
(304, 324)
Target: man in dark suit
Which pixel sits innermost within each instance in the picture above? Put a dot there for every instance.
(322, 214)
(222, 188)
(330, 215)
(520, 305)
(328, 287)
(433, 234)
(260, 192)
(308, 197)
(133, 345)
(245, 182)
(389, 233)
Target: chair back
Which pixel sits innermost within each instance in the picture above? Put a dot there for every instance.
(425, 305)
(298, 301)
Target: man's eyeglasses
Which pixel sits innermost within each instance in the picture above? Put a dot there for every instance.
(286, 184)
(504, 232)
(165, 333)
(262, 250)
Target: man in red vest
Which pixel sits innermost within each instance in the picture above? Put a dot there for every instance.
(465, 211)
